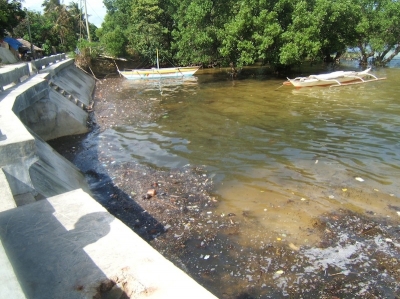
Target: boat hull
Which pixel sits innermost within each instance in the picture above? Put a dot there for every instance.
(155, 73)
(339, 78)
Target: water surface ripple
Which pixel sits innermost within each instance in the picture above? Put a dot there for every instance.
(278, 141)
(265, 145)
(284, 161)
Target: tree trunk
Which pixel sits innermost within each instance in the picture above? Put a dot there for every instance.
(337, 57)
(364, 57)
(395, 52)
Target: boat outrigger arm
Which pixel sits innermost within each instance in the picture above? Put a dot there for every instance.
(374, 78)
(338, 78)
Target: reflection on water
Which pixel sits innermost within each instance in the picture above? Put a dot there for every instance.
(286, 155)
(306, 180)
(165, 86)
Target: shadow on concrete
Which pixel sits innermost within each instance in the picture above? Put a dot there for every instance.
(2, 136)
(49, 258)
(85, 156)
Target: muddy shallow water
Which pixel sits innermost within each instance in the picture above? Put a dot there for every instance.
(260, 193)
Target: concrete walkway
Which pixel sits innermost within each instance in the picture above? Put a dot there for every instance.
(69, 246)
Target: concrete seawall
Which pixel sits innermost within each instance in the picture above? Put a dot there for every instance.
(56, 240)
(34, 111)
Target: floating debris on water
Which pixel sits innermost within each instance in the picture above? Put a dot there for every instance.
(350, 255)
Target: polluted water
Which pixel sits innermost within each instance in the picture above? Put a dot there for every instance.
(292, 229)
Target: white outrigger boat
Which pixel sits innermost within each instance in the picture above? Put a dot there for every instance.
(157, 73)
(334, 79)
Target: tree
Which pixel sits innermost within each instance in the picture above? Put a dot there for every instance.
(112, 34)
(11, 14)
(63, 24)
(378, 31)
(281, 32)
(40, 31)
(318, 30)
(114, 42)
(390, 17)
(337, 20)
(49, 5)
(148, 30)
(59, 26)
(197, 30)
(251, 33)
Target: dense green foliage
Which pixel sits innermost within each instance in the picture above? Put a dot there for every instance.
(281, 32)
(60, 26)
(10, 15)
(210, 32)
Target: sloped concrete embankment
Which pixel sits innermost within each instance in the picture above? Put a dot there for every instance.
(56, 240)
(42, 108)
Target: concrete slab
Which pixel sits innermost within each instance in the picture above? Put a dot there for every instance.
(13, 73)
(52, 174)
(9, 288)
(6, 56)
(49, 115)
(24, 199)
(69, 78)
(7, 201)
(54, 116)
(68, 246)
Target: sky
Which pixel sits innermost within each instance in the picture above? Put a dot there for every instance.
(95, 8)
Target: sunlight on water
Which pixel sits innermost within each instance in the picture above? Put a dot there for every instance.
(282, 155)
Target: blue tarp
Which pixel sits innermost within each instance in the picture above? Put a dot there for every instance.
(13, 43)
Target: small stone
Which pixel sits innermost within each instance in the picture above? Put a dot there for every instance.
(293, 247)
(151, 192)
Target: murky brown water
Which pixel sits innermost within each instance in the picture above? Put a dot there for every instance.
(285, 155)
(306, 181)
